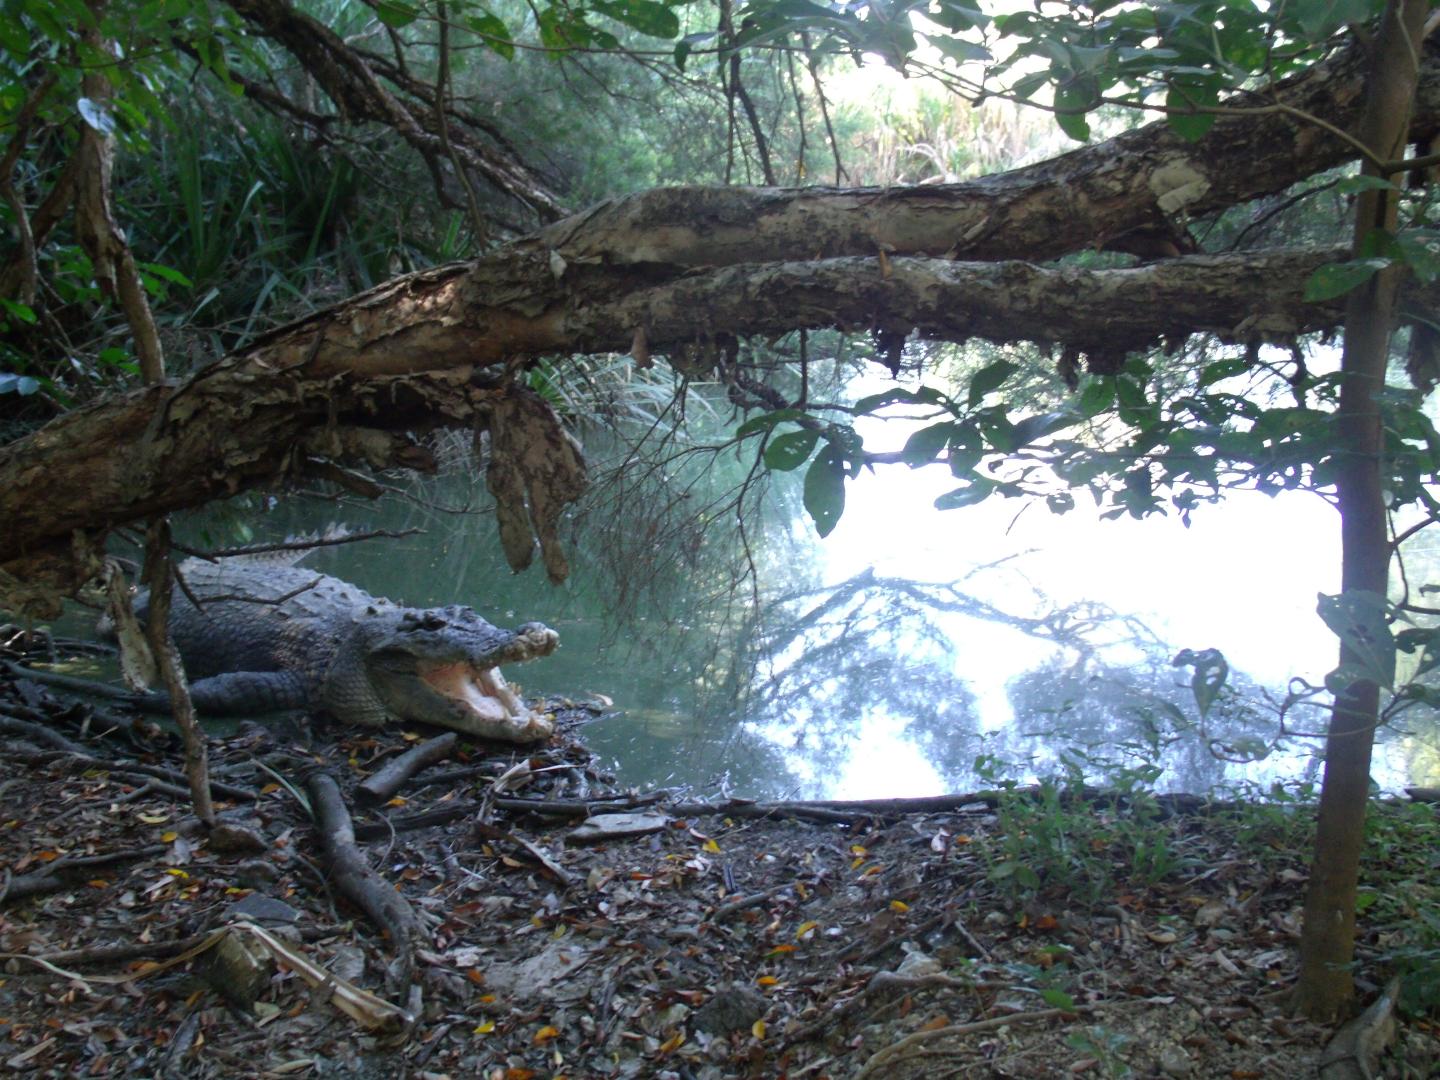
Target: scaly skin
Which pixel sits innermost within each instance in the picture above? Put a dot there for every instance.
(270, 637)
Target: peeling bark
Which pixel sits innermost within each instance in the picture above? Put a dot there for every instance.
(358, 383)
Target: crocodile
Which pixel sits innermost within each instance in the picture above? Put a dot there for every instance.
(268, 637)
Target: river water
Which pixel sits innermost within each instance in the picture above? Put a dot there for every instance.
(889, 657)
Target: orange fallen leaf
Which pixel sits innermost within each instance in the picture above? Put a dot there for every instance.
(806, 928)
(545, 1034)
(899, 905)
(670, 1045)
(767, 980)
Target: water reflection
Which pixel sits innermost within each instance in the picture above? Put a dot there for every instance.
(884, 660)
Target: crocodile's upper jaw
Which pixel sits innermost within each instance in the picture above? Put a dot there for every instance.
(479, 702)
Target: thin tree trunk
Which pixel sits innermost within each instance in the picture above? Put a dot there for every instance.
(1326, 987)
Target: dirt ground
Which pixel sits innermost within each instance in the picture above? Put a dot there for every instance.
(726, 941)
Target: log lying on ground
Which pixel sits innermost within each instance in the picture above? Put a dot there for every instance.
(381, 785)
(351, 874)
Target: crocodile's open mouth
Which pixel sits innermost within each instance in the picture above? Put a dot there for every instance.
(482, 691)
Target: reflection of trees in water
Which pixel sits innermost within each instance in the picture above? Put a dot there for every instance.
(1137, 713)
(820, 662)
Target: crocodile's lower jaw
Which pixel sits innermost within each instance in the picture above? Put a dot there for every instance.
(487, 707)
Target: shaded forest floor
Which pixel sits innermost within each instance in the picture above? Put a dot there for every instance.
(1155, 939)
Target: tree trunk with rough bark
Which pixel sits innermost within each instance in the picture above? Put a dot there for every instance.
(1326, 987)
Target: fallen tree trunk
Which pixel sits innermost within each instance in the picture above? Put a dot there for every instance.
(357, 384)
(682, 267)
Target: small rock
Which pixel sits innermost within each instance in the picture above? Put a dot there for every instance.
(238, 970)
(1209, 914)
(1175, 1062)
(229, 837)
(256, 873)
(263, 909)
(732, 1008)
(917, 963)
(615, 826)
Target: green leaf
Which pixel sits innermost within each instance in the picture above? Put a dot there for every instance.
(957, 16)
(686, 45)
(989, 378)
(16, 310)
(767, 420)
(1097, 397)
(923, 395)
(924, 446)
(791, 449)
(14, 37)
(1427, 642)
(1353, 185)
(646, 16)
(493, 29)
(1222, 369)
(1031, 428)
(976, 491)
(958, 49)
(825, 490)
(1210, 674)
(1321, 18)
(396, 13)
(1190, 126)
(1336, 279)
(169, 273)
(1075, 125)
(1016, 869)
(1359, 619)
(1420, 248)
(1073, 102)
(1057, 999)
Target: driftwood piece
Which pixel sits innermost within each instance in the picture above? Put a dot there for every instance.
(382, 785)
(357, 882)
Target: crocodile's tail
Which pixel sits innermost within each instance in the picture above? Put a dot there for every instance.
(289, 552)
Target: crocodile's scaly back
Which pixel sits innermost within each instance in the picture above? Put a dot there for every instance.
(269, 633)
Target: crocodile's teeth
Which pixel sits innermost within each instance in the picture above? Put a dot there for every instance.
(483, 690)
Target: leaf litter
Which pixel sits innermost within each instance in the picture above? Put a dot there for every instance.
(571, 929)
